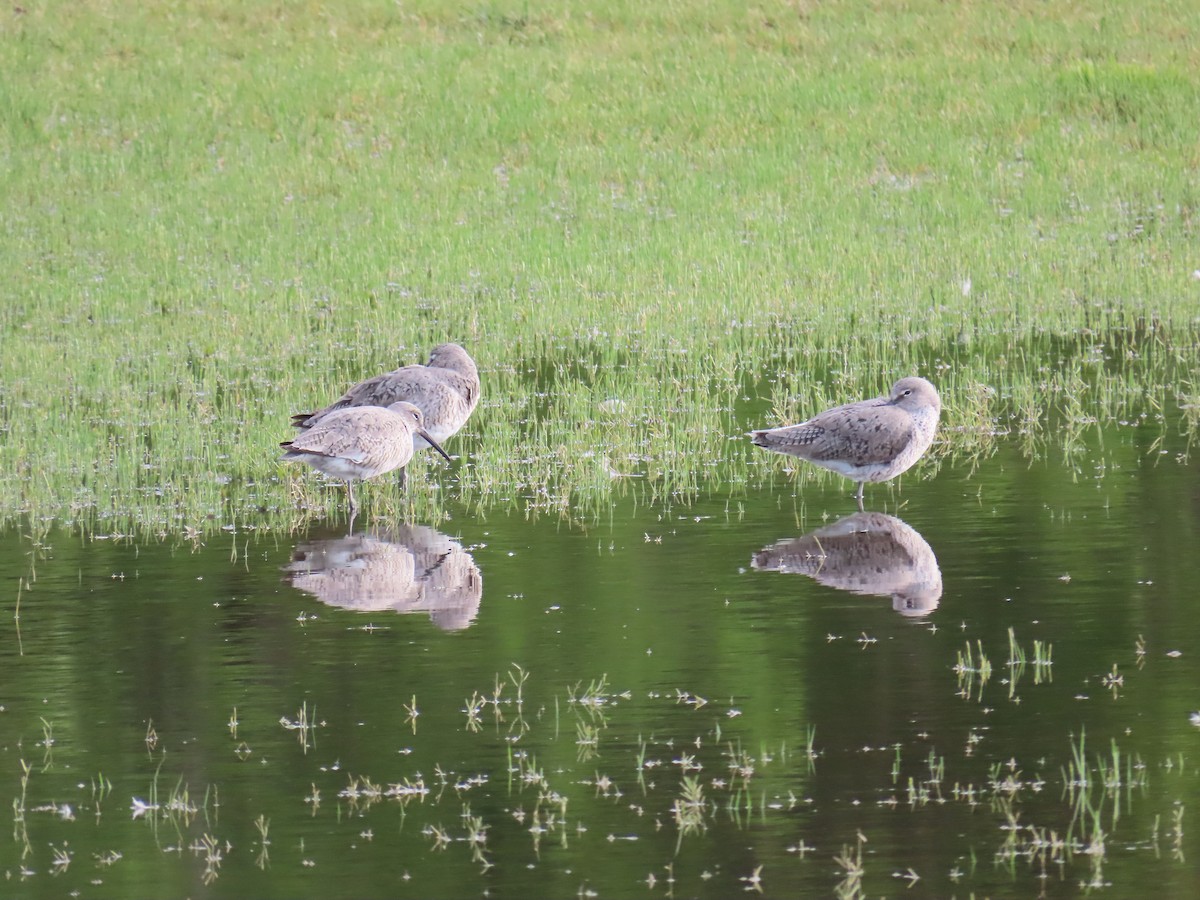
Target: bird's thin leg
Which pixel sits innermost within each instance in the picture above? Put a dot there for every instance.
(404, 478)
(859, 495)
(350, 494)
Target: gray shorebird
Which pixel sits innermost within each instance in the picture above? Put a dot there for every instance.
(361, 442)
(445, 389)
(872, 440)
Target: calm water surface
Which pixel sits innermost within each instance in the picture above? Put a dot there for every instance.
(693, 704)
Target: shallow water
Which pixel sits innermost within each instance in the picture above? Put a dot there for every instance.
(645, 704)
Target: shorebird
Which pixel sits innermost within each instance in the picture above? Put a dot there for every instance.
(361, 442)
(445, 389)
(872, 440)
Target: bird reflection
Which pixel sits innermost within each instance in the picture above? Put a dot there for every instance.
(410, 568)
(866, 553)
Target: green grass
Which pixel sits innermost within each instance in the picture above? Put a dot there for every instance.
(655, 226)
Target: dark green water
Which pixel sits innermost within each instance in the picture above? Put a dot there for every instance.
(671, 684)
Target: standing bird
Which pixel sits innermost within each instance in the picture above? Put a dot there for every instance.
(361, 442)
(872, 440)
(445, 389)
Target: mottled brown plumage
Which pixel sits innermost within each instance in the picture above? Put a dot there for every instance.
(872, 440)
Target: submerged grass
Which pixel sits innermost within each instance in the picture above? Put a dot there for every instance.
(654, 226)
(721, 793)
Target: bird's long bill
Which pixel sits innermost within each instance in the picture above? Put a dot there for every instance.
(434, 444)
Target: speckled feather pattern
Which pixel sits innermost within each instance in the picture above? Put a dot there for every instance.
(370, 440)
(861, 434)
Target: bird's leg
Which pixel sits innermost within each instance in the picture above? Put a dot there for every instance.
(350, 494)
(859, 495)
(404, 478)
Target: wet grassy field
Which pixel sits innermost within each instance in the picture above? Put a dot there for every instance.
(654, 225)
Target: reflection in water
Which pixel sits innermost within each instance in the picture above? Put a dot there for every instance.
(410, 568)
(866, 553)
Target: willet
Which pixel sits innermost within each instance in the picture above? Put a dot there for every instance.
(445, 389)
(361, 442)
(872, 440)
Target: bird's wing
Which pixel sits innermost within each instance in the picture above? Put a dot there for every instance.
(379, 390)
(861, 434)
(386, 389)
(348, 435)
(869, 433)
